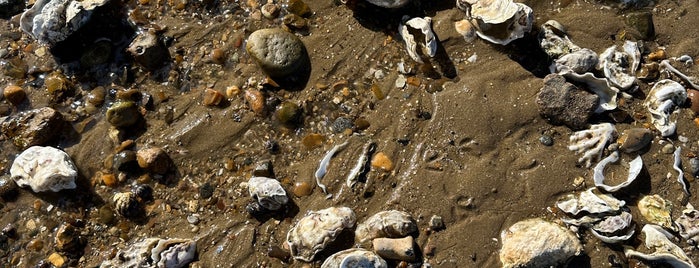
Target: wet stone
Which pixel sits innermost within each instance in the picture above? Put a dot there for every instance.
(143, 192)
(294, 21)
(8, 189)
(123, 114)
(277, 52)
(694, 166)
(264, 169)
(154, 159)
(14, 94)
(206, 190)
(562, 103)
(148, 51)
(270, 10)
(34, 127)
(341, 123)
(436, 222)
(298, 7)
(642, 24)
(668, 149)
(546, 140)
(125, 161)
(693, 98)
(289, 113)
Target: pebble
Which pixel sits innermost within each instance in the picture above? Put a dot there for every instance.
(401, 81)
(270, 10)
(312, 140)
(298, 7)
(395, 248)
(289, 113)
(546, 140)
(206, 190)
(389, 3)
(277, 52)
(341, 123)
(14, 94)
(125, 161)
(67, 238)
(44, 169)
(561, 102)
(694, 165)
(218, 56)
(212, 97)
(56, 83)
(361, 124)
(143, 192)
(154, 159)
(10, 231)
(635, 139)
(294, 22)
(693, 98)
(8, 189)
(34, 127)
(657, 55)
(537, 243)
(302, 189)
(382, 161)
(123, 114)
(148, 51)
(436, 222)
(642, 23)
(193, 219)
(126, 205)
(255, 101)
(649, 71)
(263, 169)
(56, 259)
(109, 179)
(96, 96)
(668, 149)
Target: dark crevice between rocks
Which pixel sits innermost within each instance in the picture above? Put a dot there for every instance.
(528, 53)
(380, 19)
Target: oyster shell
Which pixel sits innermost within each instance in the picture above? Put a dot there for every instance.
(656, 210)
(314, 231)
(493, 11)
(424, 25)
(688, 225)
(665, 251)
(607, 95)
(391, 224)
(44, 169)
(614, 229)
(267, 192)
(154, 252)
(620, 67)
(590, 202)
(635, 168)
(591, 142)
(354, 257)
(661, 102)
(52, 21)
(498, 21)
(554, 40)
(579, 61)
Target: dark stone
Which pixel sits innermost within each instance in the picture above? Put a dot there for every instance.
(34, 127)
(143, 192)
(563, 103)
(148, 51)
(546, 140)
(264, 169)
(9, 231)
(206, 190)
(125, 161)
(8, 189)
(694, 165)
(641, 24)
(272, 146)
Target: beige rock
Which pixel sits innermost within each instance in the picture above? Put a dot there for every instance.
(537, 243)
(395, 248)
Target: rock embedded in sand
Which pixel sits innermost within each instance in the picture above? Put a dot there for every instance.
(14, 94)
(537, 243)
(34, 127)
(44, 169)
(395, 248)
(153, 159)
(642, 24)
(149, 51)
(382, 161)
(635, 139)
(279, 53)
(123, 114)
(561, 102)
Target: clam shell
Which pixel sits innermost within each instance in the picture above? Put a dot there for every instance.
(354, 257)
(635, 168)
(268, 192)
(511, 29)
(656, 210)
(313, 232)
(606, 229)
(391, 224)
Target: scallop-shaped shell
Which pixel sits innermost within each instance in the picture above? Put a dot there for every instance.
(493, 11)
(314, 231)
(354, 257)
(268, 192)
(656, 210)
(590, 202)
(391, 224)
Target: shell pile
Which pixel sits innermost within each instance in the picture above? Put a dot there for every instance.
(605, 216)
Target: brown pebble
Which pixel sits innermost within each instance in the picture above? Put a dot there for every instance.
(302, 189)
(218, 56)
(693, 98)
(14, 94)
(37, 205)
(312, 140)
(109, 179)
(270, 10)
(56, 259)
(361, 124)
(255, 100)
(382, 161)
(414, 81)
(378, 93)
(153, 159)
(35, 245)
(56, 83)
(657, 55)
(635, 139)
(212, 97)
(232, 91)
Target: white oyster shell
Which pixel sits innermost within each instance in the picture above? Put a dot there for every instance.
(314, 231)
(52, 21)
(635, 168)
(268, 192)
(590, 202)
(44, 169)
(656, 210)
(688, 225)
(661, 102)
(154, 252)
(665, 251)
(391, 224)
(607, 229)
(509, 30)
(537, 243)
(607, 94)
(493, 11)
(591, 142)
(424, 25)
(354, 257)
(620, 67)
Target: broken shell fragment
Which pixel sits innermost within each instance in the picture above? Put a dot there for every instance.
(267, 192)
(537, 243)
(661, 102)
(591, 142)
(513, 28)
(688, 225)
(635, 168)
(620, 67)
(635, 139)
(408, 31)
(665, 251)
(677, 166)
(314, 231)
(53, 21)
(155, 252)
(44, 169)
(554, 40)
(656, 210)
(391, 224)
(607, 95)
(590, 202)
(354, 257)
(580, 61)
(614, 229)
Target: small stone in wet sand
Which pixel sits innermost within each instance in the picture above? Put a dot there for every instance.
(278, 52)
(395, 248)
(561, 102)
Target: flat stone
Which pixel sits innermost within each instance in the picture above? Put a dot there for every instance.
(395, 248)
(34, 127)
(277, 52)
(561, 102)
(537, 243)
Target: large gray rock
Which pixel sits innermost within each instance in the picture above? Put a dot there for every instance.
(561, 102)
(34, 127)
(537, 243)
(278, 52)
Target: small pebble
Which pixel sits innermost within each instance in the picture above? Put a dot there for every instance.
(436, 222)
(298, 7)
(264, 169)
(270, 10)
(206, 190)
(382, 161)
(401, 81)
(693, 98)
(123, 114)
(218, 56)
(312, 140)
(56, 259)
(694, 164)
(342, 123)
(289, 113)
(395, 248)
(14, 94)
(154, 159)
(302, 189)
(255, 100)
(657, 55)
(193, 219)
(546, 140)
(668, 149)
(8, 189)
(109, 179)
(212, 97)
(125, 161)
